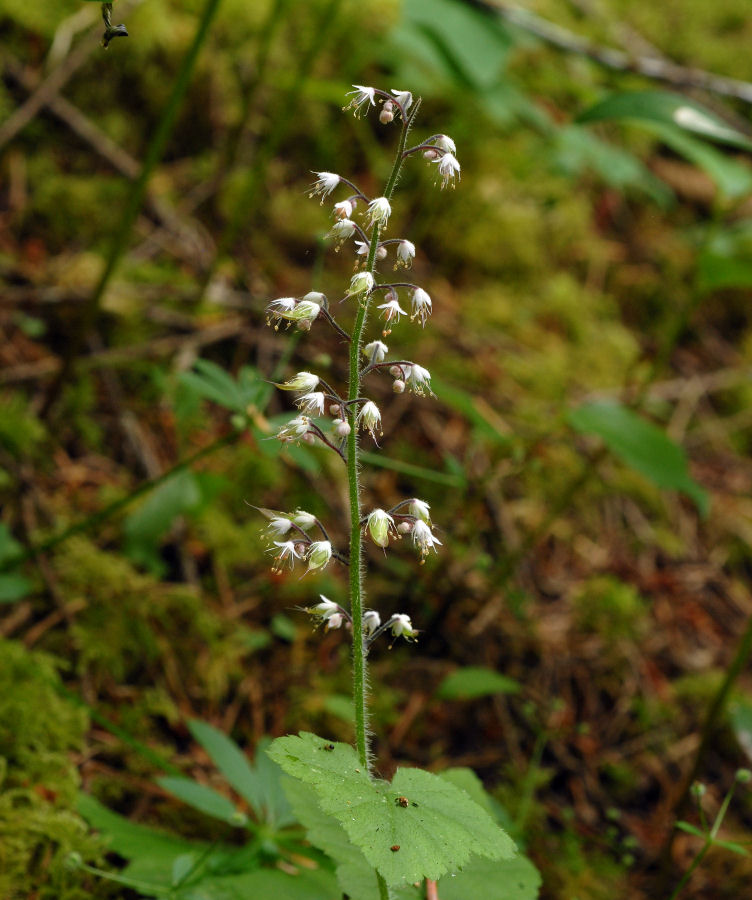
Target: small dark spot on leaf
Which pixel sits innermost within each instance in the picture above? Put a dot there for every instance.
(394, 848)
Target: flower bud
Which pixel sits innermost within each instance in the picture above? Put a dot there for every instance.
(387, 113)
(334, 409)
(431, 155)
(398, 386)
(341, 427)
(380, 525)
(405, 527)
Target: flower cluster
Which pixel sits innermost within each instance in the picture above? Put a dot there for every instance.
(334, 417)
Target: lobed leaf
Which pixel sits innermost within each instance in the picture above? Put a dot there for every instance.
(419, 826)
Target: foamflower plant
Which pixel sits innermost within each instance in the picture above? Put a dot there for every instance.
(420, 826)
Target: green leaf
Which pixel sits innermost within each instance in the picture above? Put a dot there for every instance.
(577, 150)
(212, 382)
(203, 798)
(341, 706)
(503, 879)
(740, 714)
(231, 762)
(356, 876)
(732, 178)
(436, 832)
(476, 681)
(305, 884)
(155, 851)
(9, 546)
(641, 445)
(726, 262)
(13, 587)
(144, 528)
(691, 829)
(666, 108)
(471, 44)
(732, 846)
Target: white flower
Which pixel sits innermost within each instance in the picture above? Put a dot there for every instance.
(303, 381)
(371, 621)
(279, 525)
(362, 97)
(423, 538)
(278, 308)
(294, 430)
(379, 211)
(303, 519)
(363, 249)
(319, 554)
(448, 168)
(392, 310)
(419, 380)
(342, 230)
(312, 404)
(420, 509)
(404, 98)
(376, 351)
(361, 283)
(287, 551)
(315, 297)
(369, 418)
(445, 143)
(380, 525)
(334, 621)
(303, 314)
(326, 182)
(405, 253)
(343, 209)
(401, 625)
(326, 609)
(421, 305)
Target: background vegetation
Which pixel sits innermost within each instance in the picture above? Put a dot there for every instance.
(587, 456)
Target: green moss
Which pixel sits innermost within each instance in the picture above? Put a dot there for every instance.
(39, 827)
(613, 609)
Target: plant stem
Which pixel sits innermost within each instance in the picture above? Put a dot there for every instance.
(119, 244)
(360, 687)
(383, 888)
(688, 874)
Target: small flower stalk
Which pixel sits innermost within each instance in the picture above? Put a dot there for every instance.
(334, 418)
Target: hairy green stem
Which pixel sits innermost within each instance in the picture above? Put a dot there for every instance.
(119, 244)
(384, 893)
(360, 680)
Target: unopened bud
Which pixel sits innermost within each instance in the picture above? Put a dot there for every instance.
(405, 527)
(398, 386)
(341, 427)
(386, 115)
(309, 437)
(334, 409)
(431, 154)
